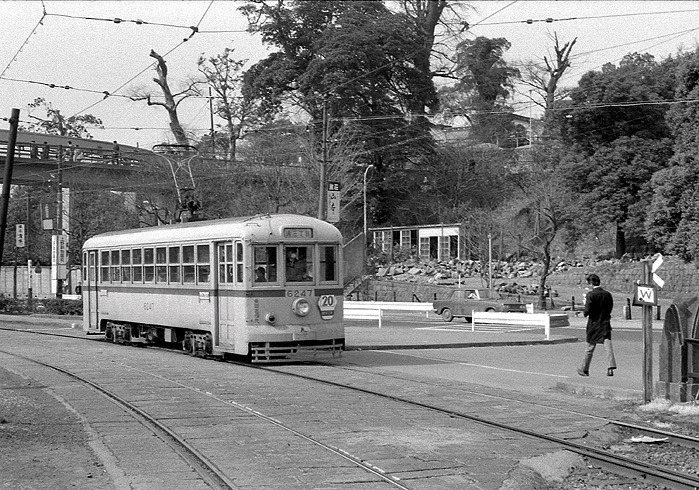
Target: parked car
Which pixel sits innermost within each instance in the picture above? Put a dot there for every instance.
(462, 302)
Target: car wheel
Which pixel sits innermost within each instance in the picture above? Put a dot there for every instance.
(447, 315)
(489, 310)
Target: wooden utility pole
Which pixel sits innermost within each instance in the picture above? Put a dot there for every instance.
(647, 323)
(322, 203)
(7, 180)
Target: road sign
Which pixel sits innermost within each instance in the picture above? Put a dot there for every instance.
(656, 265)
(645, 295)
(333, 211)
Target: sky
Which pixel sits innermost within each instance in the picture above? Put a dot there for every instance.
(77, 44)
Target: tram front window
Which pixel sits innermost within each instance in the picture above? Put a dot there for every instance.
(299, 263)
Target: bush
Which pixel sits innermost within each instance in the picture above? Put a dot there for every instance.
(61, 306)
(12, 305)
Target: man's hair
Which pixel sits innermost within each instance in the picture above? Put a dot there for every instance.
(593, 279)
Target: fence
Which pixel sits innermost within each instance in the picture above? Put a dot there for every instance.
(373, 310)
(14, 282)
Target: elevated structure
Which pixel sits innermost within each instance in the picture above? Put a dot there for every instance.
(37, 157)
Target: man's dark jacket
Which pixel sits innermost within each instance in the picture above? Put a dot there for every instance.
(598, 310)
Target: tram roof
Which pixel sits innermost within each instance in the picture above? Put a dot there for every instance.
(255, 228)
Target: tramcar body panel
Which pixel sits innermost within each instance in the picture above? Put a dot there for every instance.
(263, 280)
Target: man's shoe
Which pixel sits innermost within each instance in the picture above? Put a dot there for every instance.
(583, 373)
(610, 371)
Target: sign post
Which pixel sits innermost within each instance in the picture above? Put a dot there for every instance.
(646, 296)
(333, 211)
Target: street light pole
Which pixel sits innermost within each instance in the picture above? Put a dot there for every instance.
(365, 228)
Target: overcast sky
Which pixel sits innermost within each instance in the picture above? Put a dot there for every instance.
(72, 45)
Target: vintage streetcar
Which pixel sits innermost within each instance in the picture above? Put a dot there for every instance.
(266, 287)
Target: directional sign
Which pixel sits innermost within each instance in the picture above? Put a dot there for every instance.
(656, 265)
(333, 211)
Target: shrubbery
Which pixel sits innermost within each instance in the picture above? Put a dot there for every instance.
(50, 306)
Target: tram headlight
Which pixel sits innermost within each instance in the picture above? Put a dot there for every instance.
(301, 307)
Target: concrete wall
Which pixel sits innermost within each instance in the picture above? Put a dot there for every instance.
(41, 282)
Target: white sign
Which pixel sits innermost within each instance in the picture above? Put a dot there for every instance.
(333, 211)
(19, 236)
(656, 265)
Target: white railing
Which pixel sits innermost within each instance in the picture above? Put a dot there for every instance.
(545, 320)
(374, 310)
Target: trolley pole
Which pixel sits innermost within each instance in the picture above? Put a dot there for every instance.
(7, 179)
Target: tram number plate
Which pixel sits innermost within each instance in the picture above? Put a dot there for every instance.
(299, 293)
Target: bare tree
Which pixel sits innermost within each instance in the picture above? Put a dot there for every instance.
(171, 101)
(544, 77)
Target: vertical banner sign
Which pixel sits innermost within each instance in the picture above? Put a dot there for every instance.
(19, 236)
(333, 212)
(59, 259)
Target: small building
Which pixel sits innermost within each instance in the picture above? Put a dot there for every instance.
(432, 242)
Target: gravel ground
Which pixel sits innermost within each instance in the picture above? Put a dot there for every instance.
(43, 443)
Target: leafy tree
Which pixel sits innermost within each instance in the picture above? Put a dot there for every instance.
(54, 122)
(613, 184)
(356, 62)
(673, 217)
(625, 100)
(483, 87)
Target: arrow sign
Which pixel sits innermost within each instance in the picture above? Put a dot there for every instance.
(656, 265)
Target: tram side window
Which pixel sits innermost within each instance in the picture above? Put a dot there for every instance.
(328, 263)
(160, 265)
(188, 263)
(299, 263)
(148, 267)
(116, 276)
(174, 267)
(265, 264)
(238, 262)
(91, 267)
(126, 265)
(104, 266)
(136, 260)
(225, 263)
(203, 264)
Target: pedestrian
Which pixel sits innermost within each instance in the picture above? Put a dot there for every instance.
(598, 310)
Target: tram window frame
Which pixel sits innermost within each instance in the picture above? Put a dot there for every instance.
(300, 269)
(326, 273)
(137, 265)
(148, 264)
(203, 252)
(104, 266)
(115, 266)
(266, 258)
(174, 265)
(188, 265)
(161, 265)
(126, 265)
(91, 258)
(239, 262)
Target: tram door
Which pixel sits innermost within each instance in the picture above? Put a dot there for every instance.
(226, 264)
(90, 288)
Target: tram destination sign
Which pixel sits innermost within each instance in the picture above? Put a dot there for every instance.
(298, 233)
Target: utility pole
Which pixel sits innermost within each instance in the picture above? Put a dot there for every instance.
(324, 165)
(211, 115)
(647, 323)
(7, 180)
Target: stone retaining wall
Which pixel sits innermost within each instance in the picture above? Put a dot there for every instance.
(679, 277)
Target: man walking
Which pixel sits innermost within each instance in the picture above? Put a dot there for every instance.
(598, 310)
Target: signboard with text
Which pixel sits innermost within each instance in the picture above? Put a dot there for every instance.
(645, 295)
(333, 211)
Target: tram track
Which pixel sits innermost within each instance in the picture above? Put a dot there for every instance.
(642, 472)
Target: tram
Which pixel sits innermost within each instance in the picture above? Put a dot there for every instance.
(267, 287)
